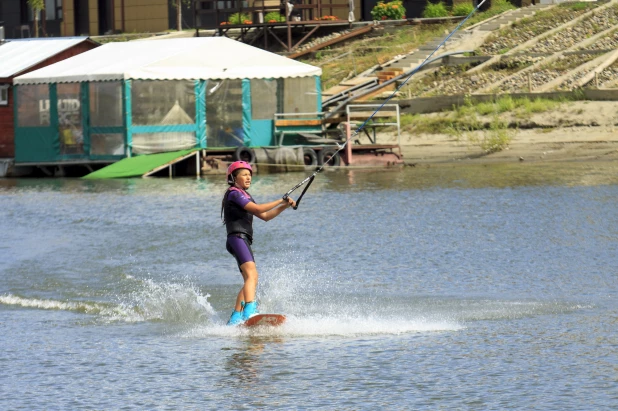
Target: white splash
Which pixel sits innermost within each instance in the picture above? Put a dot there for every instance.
(86, 307)
(168, 302)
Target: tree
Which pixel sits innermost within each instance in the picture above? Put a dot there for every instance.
(36, 6)
(178, 4)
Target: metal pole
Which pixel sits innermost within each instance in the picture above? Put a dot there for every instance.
(197, 163)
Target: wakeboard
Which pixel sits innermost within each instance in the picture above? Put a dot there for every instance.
(272, 320)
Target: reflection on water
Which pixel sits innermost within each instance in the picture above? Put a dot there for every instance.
(420, 177)
(243, 362)
(479, 176)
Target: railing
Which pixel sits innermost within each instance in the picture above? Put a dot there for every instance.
(216, 12)
(308, 124)
(357, 115)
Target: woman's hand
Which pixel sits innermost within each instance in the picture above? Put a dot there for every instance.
(290, 202)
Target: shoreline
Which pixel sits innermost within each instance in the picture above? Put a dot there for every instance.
(526, 146)
(577, 131)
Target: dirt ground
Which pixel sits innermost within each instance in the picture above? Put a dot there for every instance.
(577, 131)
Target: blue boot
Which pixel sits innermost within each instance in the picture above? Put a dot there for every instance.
(251, 310)
(235, 318)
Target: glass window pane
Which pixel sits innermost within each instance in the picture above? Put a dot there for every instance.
(106, 104)
(33, 105)
(4, 94)
(107, 144)
(50, 9)
(263, 99)
(163, 102)
(300, 95)
(224, 113)
(70, 118)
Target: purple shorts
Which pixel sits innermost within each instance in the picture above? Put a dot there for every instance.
(240, 247)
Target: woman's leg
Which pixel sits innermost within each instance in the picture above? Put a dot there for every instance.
(241, 249)
(239, 300)
(250, 275)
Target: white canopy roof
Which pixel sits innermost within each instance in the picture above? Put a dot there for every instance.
(19, 55)
(171, 59)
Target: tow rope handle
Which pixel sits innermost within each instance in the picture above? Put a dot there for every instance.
(287, 195)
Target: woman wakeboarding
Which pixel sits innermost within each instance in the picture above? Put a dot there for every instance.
(237, 211)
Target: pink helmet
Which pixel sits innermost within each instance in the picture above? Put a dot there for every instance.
(237, 165)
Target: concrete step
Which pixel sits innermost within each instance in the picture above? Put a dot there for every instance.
(431, 45)
(492, 26)
(408, 64)
(510, 16)
(522, 13)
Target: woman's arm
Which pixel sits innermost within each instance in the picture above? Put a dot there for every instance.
(268, 211)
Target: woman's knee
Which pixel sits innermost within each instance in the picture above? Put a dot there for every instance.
(249, 271)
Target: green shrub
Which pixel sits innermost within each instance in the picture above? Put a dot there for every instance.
(435, 10)
(239, 18)
(462, 9)
(497, 138)
(578, 6)
(393, 10)
(273, 17)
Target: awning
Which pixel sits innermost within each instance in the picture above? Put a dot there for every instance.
(172, 59)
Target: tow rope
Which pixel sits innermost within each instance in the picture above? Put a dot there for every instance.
(310, 179)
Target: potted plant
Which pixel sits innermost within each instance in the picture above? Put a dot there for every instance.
(393, 10)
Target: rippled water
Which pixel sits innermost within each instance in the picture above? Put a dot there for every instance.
(450, 287)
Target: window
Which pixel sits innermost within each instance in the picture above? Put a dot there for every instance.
(33, 105)
(4, 94)
(263, 99)
(300, 95)
(53, 9)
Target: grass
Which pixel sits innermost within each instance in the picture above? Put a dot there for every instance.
(497, 7)
(466, 121)
(480, 123)
(369, 52)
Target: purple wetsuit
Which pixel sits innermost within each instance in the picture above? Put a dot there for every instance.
(239, 244)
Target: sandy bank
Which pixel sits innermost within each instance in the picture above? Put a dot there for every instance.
(577, 131)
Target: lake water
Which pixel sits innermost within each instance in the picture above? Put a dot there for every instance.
(442, 288)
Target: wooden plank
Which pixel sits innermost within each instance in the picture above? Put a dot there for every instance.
(335, 90)
(357, 81)
(351, 34)
(366, 114)
(290, 123)
(369, 96)
(170, 163)
(391, 72)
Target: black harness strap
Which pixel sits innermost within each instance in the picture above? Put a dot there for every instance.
(304, 191)
(307, 181)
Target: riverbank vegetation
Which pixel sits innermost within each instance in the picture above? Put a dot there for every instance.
(339, 63)
(489, 125)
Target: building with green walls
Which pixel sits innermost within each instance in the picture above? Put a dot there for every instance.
(151, 96)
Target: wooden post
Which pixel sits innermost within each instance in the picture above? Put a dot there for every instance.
(348, 146)
(287, 19)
